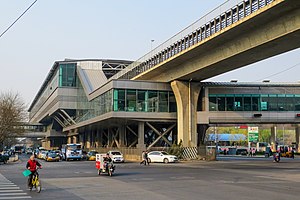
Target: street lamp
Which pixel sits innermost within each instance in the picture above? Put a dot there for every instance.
(151, 43)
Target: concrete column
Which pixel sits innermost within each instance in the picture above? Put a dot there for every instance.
(88, 140)
(110, 138)
(141, 136)
(273, 138)
(122, 135)
(81, 140)
(186, 94)
(297, 138)
(97, 143)
(69, 139)
(74, 139)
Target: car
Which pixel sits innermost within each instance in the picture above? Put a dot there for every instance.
(241, 152)
(52, 156)
(91, 155)
(161, 156)
(116, 156)
(29, 151)
(42, 154)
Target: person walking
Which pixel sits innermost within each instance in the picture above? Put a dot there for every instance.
(146, 158)
(143, 158)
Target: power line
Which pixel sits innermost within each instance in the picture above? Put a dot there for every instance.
(280, 72)
(18, 18)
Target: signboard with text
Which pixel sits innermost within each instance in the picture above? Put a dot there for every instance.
(253, 134)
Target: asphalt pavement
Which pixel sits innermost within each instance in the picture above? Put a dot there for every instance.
(227, 178)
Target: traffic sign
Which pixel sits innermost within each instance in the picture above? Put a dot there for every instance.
(253, 134)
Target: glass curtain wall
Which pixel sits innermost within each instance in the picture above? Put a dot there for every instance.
(67, 75)
(131, 100)
(254, 102)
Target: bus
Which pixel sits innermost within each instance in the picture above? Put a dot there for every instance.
(71, 152)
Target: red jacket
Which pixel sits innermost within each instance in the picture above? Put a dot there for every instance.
(32, 164)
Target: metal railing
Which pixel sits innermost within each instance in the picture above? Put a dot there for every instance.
(218, 19)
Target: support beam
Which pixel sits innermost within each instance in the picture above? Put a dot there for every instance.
(273, 138)
(68, 116)
(297, 138)
(59, 121)
(141, 135)
(122, 135)
(186, 94)
(161, 135)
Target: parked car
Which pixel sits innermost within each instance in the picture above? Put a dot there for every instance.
(29, 151)
(42, 155)
(241, 152)
(161, 156)
(116, 156)
(52, 156)
(4, 157)
(91, 155)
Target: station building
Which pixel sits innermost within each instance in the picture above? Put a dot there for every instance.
(79, 103)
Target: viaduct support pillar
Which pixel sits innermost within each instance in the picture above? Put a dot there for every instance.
(186, 94)
(297, 138)
(122, 135)
(141, 136)
(273, 138)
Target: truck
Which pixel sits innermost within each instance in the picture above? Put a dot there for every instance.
(71, 152)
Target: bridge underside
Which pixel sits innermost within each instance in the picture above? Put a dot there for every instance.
(263, 34)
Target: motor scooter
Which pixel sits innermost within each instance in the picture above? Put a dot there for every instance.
(276, 157)
(104, 166)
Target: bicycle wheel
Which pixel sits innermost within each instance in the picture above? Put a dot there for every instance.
(38, 186)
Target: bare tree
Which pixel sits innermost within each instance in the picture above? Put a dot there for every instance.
(12, 116)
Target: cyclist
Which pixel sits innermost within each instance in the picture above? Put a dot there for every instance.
(32, 165)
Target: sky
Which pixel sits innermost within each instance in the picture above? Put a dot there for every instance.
(116, 29)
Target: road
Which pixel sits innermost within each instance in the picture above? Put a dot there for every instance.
(228, 178)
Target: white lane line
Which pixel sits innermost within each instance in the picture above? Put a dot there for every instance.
(9, 188)
(9, 185)
(11, 194)
(21, 197)
(5, 191)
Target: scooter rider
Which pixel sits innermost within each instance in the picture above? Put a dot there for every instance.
(107, 160)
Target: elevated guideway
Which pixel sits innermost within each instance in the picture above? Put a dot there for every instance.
(234, 35)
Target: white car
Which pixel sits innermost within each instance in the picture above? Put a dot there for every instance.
(161, 156)
(116, 156)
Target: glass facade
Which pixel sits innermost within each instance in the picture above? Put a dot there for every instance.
(132, 100)
(128, 100)
(254, 102)
(67, 75)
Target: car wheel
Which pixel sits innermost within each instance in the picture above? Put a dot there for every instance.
(166, 160)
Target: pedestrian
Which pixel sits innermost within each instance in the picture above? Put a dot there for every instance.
(143, 158)
(253, 151)
(146, 158)
(293, 154)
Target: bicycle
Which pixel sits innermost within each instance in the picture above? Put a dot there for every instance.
(35, 182)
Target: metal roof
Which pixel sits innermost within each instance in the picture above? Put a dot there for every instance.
(55, 66)
(250, 84)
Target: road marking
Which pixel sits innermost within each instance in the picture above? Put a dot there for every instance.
(18, 197)
(8, 190)
(10, 194)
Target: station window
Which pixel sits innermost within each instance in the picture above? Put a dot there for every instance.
(119, 100)
(67, 75)
(163, 101)
(297, 102)
(212, 103)
(247, 103)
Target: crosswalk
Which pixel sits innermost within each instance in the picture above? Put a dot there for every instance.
(8, 190)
